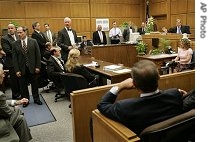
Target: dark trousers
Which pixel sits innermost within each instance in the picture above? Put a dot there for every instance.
(24, 81)
(14, 83)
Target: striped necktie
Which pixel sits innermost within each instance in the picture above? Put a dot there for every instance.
(25, 52)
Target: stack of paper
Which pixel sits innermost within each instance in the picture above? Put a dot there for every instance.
(112, 67)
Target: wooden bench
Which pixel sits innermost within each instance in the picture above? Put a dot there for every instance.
(84, 101)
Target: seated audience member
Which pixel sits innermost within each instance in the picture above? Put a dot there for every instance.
(10, 114)
(72, 65)
(127, 31)
(55, 66)
(99, 36)
(47, 53)
(179, 28)
(142, 29)
(152, 106)
(85, 44)
(184, 55)
(115, 34)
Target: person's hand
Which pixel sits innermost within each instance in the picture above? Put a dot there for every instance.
(37, 70)
(22, 101)
(18, 74)
(126, 84)
(183, 92)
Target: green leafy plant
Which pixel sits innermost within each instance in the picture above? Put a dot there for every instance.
(141, 47)
(149, 25)
(15, 23)
(124, 24)
(156, 51)
(165, 44)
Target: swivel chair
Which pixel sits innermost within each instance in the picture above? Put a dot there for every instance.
(179, 128)
(71, 82)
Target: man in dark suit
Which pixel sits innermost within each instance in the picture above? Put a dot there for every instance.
(27, 64)
(152, 106)
(39, 36)
(99, 36)
(6, 43)
(12, 121)
(85, 45)
(179, 28)
(49, 35)
(55, 66)
(67, 39)
(127, 31)
(142, 29)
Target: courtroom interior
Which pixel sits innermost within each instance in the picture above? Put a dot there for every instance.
(67, 56)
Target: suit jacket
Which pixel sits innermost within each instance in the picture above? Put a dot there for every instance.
(139, 113)
(97, 40)
(126, 33)
(89, 43)
(41, 40)
(141, 32)
(184, 29)
(13, 126)
(54, 38)
(63, 41)
(34, 56)
(81, 70)
(6, 43)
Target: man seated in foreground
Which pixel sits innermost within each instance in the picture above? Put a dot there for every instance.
(152, 106)
(12, 116)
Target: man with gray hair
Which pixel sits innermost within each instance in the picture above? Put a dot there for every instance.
(67, 39)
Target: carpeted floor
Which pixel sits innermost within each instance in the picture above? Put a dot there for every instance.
(38, 114)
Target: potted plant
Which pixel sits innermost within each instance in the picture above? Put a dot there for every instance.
(141, 47)
(149, 25)
(165, 45)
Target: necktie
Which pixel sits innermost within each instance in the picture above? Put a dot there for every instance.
(25, 52)
(49, 36)
(60, 63)
(101, 36)
(40, 34)
(14, 37)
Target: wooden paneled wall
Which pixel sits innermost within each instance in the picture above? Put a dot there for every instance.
(84, 13)
(167, 11)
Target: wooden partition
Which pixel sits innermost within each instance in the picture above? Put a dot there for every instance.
(121, 53)
(84, 101)
(174, 38)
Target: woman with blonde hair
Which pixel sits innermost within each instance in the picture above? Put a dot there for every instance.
(184, 56)
(73, 66)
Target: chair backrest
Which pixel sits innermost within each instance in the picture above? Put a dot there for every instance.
(180, 128)
(192, 64)
(72, 82)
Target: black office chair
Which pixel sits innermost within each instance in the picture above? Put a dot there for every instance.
(180, 128)
(71, 82)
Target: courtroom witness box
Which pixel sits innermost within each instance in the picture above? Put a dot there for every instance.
(83, 102)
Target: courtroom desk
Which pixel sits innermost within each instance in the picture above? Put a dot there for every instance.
(175, 38)
(110, 75)
(118, 53)
(158, 59)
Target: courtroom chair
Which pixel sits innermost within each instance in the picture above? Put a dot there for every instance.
(180, 128)
(72, 82)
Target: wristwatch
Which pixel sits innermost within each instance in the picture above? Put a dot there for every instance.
(114, 90)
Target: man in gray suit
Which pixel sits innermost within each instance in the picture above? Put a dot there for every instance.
(49, 35)
(13, 126)
(27, 64)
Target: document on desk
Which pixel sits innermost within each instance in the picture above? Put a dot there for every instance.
(122, 71)
(112, 68)
(92, 64)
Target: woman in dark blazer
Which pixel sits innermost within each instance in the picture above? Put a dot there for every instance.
(72, 65)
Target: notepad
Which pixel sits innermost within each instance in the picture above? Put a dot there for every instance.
(122, 71)
(112, 67)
